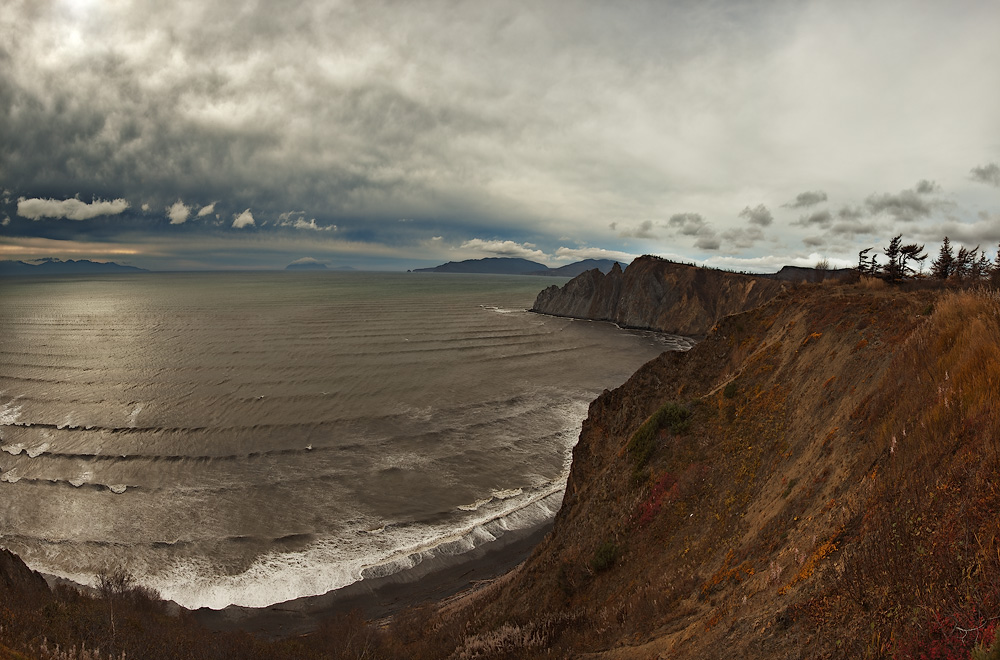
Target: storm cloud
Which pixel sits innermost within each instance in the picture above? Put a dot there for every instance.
(490, 126)
(808, 198)
(987, 174)
(759, 215)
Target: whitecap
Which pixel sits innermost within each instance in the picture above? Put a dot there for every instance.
(118, 489)
(475, 506)
(10, 413)
(39, 450)
(81, 479)
(13, 450)
(10, 476)
(507, 494)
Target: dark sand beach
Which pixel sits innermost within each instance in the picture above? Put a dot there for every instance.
(432, 580)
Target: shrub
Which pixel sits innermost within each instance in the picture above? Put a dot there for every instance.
(604, 557)
(730, 390)
(642, 444)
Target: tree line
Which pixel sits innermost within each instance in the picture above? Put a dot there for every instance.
(965, 265)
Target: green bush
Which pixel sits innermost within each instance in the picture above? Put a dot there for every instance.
(604, 557)
(642, 444)
(730, 390)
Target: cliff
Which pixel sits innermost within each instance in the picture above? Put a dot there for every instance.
(817, 478)
(653, 294)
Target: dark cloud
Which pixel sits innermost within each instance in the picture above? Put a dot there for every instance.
(808, 198)
(850, 213)
(644, 230)
(989, 173)
(907, 205)
(925, 187)
(759, 215)
(852, 227)
(708, 243)
(688, 224)
(818, 219)
(742, 237)
(814, 241)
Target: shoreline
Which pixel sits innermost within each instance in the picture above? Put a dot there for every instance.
(433, 580)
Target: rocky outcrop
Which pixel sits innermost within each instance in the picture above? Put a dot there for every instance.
(653, 294)
(16, 578)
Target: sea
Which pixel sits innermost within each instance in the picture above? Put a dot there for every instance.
(250, 438)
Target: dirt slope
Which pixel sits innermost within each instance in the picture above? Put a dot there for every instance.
(821, 481)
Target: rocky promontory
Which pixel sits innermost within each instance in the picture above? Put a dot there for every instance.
(654, 294)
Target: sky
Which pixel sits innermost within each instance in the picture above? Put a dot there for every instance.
(744, 134)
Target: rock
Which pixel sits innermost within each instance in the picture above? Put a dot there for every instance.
(654, 294)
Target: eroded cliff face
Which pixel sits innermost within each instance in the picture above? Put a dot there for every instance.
(831, 493)
(654, 294)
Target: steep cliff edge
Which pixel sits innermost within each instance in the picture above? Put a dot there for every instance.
(817, 478)
(654, 294)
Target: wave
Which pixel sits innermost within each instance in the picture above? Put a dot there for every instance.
(12, 477)
(329, 564)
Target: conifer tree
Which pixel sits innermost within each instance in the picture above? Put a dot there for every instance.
(944, 265)
(893, 270)
(963, 263)
(910, 252)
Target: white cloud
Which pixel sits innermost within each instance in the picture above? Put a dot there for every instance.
(578, 254)
(70, 209)
(773, 263)
(302, 224)
(6, 221)
(504, 249)
(145, 207)
(178, 213)
(206, 210)
(244, 219)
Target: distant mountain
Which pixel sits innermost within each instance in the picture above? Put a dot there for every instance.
(70, 267)
(495, 265)
(572, 270)
(511, 266)
(306, 263)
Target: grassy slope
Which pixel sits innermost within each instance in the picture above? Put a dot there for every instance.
(836, 490)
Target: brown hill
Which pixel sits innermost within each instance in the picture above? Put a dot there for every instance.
(818, 478)
(653, 294)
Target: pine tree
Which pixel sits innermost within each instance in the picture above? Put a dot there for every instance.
(910, 252)
(963, 263)
(893, 270)
(944, 265)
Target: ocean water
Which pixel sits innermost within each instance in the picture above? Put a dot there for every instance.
(249, 438)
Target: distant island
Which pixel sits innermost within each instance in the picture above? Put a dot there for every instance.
(514, 266)
(51, 266)
(309, 263)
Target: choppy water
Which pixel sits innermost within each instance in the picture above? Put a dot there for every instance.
(248, 438)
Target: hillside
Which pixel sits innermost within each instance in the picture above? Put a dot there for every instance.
(819, 478)
(69, 267)
(493, 265)
(654, 294)
(512, 266)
